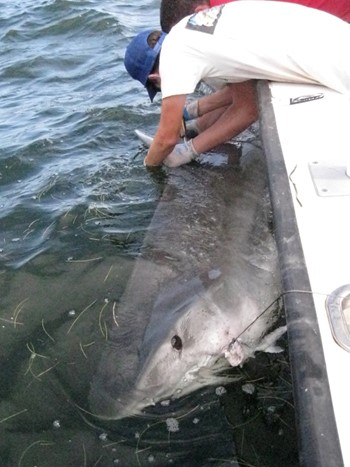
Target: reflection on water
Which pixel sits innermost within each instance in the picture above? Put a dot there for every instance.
(75, 203)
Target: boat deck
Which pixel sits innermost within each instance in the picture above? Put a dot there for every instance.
(305, 132)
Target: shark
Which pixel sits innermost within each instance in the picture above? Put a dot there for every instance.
(204, 294)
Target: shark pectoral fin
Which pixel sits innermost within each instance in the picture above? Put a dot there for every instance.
(146, 139)
(273, 349)
(235, 354)
(268, 344)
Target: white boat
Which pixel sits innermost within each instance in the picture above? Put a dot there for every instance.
(305, 132)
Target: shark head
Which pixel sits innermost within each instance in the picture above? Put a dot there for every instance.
(187, 343)
(179, 353)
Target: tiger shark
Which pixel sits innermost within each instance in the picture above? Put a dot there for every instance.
(203, 295)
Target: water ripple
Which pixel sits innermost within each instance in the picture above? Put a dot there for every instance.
(68, 150)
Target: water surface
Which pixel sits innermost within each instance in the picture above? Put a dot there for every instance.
(75, 203)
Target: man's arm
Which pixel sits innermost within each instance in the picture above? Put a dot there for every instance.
(168, 131)
(236, 117)
(218, 99)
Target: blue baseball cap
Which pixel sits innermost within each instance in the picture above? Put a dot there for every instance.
(140, 58)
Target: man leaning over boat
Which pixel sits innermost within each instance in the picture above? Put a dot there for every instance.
(219, 44)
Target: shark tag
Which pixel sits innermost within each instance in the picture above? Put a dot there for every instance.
(235, 353)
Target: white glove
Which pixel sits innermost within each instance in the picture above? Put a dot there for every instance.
(191, 110)
(182, 153)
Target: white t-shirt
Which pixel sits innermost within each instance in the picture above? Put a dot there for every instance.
(244, 40)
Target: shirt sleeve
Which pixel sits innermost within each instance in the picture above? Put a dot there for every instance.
(179, 70)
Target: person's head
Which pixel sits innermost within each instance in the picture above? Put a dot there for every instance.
(172, 11)
(142, 59)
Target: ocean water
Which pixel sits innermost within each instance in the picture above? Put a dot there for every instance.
(75, 203)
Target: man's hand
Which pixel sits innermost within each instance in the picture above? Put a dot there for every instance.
(183, 153)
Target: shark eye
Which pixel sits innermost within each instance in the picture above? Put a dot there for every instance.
(176, 342)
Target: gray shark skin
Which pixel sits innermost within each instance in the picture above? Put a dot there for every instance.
(202, 296)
